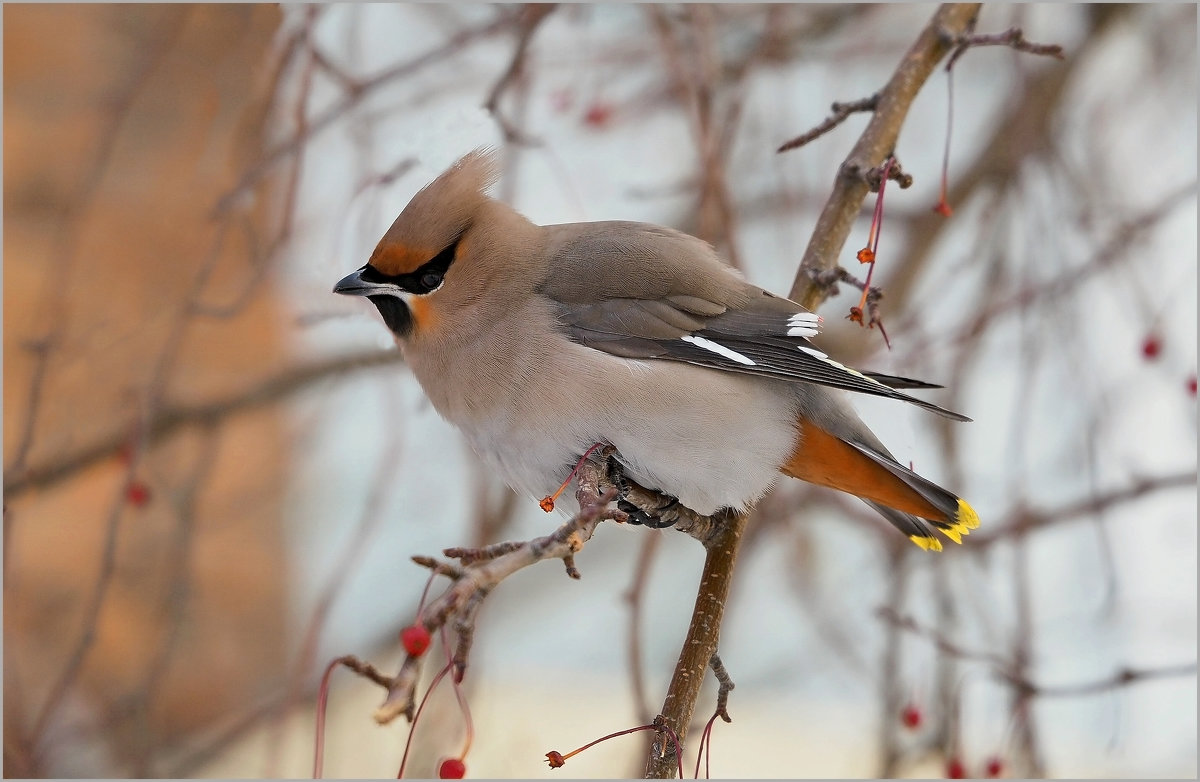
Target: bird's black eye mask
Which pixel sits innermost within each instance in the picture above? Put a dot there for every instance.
(426, 278)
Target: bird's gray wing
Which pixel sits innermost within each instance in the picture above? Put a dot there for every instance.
(665, 305)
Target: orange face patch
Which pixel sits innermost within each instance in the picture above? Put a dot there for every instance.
(392, 258)
(422, 314)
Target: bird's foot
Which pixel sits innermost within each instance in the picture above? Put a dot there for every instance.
(658, 517)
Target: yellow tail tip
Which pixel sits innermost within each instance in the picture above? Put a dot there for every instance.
(966, 517)
(926, 542)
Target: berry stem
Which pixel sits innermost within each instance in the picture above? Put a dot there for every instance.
(705, 749)
(876, 229)
(547, 502)
(408, 744)
(942, 206)
(322, 702)
(462, 701)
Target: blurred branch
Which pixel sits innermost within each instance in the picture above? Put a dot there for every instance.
(694, 73)
(529, 19)
(176, 598)
(1004, 669)
(1123, 238)
(1027, 521)
(369, 520)
(1025, 130)
(170, 418)
(637, 588)
(118, 110)
(1122, 678)
(891, 682)
(351, 99)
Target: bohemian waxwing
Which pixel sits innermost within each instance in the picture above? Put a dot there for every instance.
(538, 342)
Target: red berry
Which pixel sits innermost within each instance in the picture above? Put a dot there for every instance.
(1151, 347)
(1191, 385)
(995, 766)
(597, 115)
(955, 769)
(415, 639)
(452, 768)
(138, 494)
(911, 717)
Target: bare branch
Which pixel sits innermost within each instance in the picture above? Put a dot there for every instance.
(529, 19)
(476, 577)
(169, 419)
(291, 146)
(840, 112)
(1122, 678)
(829, 236)
(1026, 521)
(876, 143)
(1013, 37)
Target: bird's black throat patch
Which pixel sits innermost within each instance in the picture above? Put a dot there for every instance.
(395, 314)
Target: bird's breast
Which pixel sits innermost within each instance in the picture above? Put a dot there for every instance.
(530, 402)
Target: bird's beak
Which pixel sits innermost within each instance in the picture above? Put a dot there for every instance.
(354, 285)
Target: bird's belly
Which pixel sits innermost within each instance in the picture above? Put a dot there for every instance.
(711, 439)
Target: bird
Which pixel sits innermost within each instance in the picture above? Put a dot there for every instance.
(538, 342)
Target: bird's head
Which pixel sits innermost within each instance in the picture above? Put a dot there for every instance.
(438, 255)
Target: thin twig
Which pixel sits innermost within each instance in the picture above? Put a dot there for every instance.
(725, 686)
(840, 112)
(1013, 37)
(338, 110)
(460, 602)
(1122, 678)
(529, 19)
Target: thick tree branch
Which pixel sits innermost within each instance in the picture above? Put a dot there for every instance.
(701, 642)
(949, 24)
(947, 27)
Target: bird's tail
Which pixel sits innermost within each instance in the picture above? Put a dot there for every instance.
(914, 505)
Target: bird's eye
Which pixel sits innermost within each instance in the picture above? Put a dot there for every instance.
(430, 280)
